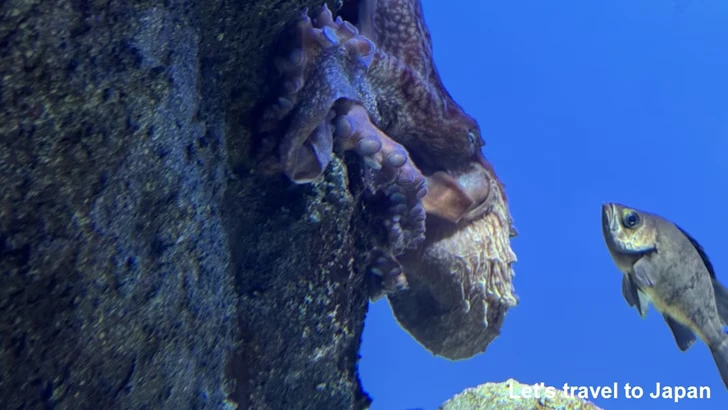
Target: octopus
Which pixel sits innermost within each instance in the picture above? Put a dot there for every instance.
(368, 84)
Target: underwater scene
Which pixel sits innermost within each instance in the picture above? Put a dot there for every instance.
(363, 204)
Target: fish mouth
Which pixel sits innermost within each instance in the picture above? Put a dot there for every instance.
(607, 217)
(606, 213)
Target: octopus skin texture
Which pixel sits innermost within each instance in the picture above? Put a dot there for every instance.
(372, 88)
(460, 281)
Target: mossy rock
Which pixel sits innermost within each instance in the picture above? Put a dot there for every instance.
(510, 395)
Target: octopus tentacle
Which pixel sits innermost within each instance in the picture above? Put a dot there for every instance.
(397, 176)
(310, 38)
(388, 276)
(323, 107)
(316, 70)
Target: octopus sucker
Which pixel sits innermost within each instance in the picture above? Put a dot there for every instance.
(399, 176)
(387, 269)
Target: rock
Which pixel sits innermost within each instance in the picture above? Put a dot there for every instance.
(500, 396)
(143, 263)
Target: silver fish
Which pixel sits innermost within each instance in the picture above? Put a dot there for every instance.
(664, 265)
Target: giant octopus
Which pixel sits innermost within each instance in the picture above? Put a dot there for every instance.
(372, 88)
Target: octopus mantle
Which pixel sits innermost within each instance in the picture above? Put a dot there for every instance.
(365, 81)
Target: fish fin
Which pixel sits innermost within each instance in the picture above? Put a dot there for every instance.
(701, 252)
(684, 337)
(629, 291)
(721, 301)
(644, 274)
(720, 355)
(644, 304)
(633, 296)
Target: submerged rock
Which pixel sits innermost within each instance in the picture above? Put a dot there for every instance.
(510, 395)
(143, 264)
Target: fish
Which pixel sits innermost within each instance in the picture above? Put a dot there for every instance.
(665, 266)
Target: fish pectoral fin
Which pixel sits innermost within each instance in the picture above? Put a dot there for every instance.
(684, 337)
(633, 296)
(629, 291)
(643, 304)
(721, 301)
(644, 273)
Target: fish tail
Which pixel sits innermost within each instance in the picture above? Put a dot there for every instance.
(720, 355)
(721, 301)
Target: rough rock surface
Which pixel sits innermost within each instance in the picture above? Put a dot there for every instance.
(142, 262)
(499, 396)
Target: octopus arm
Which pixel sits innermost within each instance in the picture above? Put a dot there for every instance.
(306, 146)
(326, 106)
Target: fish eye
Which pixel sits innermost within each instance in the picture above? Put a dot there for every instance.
(630, 219)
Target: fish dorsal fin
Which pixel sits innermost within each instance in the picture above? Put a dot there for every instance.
(701, 252)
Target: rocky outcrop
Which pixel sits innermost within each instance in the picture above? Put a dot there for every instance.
(143, 263)
(512, 395)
